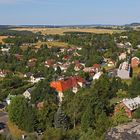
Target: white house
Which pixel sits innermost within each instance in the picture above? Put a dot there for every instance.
(5, 49)
(124, 70)
(36, 79)
(132, 104)
(27, 93)
(97, 75)
(9, 98)
(2, 73)
(122, 56)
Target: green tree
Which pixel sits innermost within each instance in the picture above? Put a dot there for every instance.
(53, 134)
(120, 116)
(61, 120)
(102, 124)
(87, 119)
(134, 88)
(136, 114)
(21, 114)
(45, 116)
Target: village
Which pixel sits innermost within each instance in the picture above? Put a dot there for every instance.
(42, 74)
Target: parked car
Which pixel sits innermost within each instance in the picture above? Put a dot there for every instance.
(2, 127)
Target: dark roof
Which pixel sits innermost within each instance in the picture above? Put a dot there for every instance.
(30, 90)
(37, 75)
(29, 74)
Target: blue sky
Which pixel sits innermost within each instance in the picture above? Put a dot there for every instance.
(69, 12)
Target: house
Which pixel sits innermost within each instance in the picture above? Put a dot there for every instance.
(120, 45)
(40, 105)
(97, 76)
(88, 70)
(66, 57)
(79, 48)
(36, 78)
(18, 57)
(28, 75)
(2, 107)
(49, 63)
(124, 70)
(71, 49)
(124, 37)
(111, 63)
(130, 105)
(76, 54)
(50, 39)
(128, 44)
(96, 67)
(9, 98)
(3, 73)
(62, 50)
(73, 82)
(135, 61)
(64, 66)
(32, 62)
(122, 56)
(5, 50)
(27, 93)
(28, 44)
(78, 66)
(138, 46)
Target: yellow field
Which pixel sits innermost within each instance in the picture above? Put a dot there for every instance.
(61, 31)
(1, 38)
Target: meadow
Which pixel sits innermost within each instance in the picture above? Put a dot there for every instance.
(61, 31)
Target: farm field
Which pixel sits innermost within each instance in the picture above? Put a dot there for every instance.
(61, 31)
(1, 38)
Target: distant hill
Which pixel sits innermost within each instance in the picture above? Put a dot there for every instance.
(133, 24)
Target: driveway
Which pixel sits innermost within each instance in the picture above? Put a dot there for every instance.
(3, 117)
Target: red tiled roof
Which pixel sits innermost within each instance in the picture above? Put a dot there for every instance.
(50, 62)
(96, 66)
(63, 85)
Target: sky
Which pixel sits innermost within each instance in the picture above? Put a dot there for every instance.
(69, 12)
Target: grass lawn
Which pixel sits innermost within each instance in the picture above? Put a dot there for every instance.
(127, 81)
(15, 131)
(136, 71)
(115, 100)
(52, 44)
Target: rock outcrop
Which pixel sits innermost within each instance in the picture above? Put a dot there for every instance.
(130, 131)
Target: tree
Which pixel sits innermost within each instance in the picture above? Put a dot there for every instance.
(61, 120)
(45, 116)
(102, 124)
(53, 134)
(43, 91)
(120, 116)
(21, 114)
(87, 119)
(134, 88)
(58, 71)
(136, 114)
